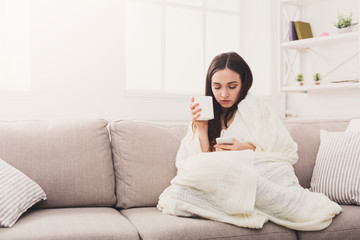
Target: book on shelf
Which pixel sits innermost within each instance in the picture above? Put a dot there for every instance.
(292, 31)
(303, 30)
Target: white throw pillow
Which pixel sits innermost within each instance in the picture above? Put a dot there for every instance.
(337, 168)
(354, 126)
(17, 193)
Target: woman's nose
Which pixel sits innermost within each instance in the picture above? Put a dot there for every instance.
(224, 93)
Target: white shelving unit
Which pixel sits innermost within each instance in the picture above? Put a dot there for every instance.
(313, 42)
(289, 61)
(321, 87)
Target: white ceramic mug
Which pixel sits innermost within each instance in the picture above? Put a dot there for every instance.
(206, 104)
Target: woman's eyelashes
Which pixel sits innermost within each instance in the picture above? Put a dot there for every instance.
(231, 87)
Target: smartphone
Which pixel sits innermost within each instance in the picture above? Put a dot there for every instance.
(225, 140)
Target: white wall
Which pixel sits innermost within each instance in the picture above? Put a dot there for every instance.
(329, 104)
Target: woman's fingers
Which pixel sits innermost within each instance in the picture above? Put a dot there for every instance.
(224, 147)
(195, 117)
(193, 106)
(196, 111)
(237, 146)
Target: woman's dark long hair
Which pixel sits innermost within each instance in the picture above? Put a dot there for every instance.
(236, 63)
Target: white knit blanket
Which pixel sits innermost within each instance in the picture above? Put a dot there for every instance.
(246, 188)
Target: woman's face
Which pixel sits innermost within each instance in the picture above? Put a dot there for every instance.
(226, 85)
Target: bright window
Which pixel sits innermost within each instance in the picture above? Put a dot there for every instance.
(170, 43)
(183, 49)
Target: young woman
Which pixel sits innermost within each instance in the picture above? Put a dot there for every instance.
(251, 181)
(228, 81)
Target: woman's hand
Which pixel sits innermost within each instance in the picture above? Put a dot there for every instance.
(195, 113)
(202, 126)
(236, 146)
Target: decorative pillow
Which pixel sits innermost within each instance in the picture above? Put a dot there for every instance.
(354, 126)
(18, 193)
(337, 168)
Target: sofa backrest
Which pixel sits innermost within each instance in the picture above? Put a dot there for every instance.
(144, 160)
(70, 159)
(144, 155)
(306, 133)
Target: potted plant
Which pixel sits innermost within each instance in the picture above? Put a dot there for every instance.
(344, 23)
(317, 78)
(300, 79)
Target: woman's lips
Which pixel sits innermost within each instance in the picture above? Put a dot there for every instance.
(225, 101)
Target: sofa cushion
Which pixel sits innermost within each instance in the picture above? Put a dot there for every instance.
(71, 223)
(17, 194)
(144, 159)
(337, 168)
(70, 159)
(346, 225)
(152, 224)
(306, 133)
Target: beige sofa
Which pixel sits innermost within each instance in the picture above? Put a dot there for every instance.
(99, 188)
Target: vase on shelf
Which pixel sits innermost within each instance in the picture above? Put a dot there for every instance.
(344, 22)
(300, 79)
(344, 30)
(317, 78)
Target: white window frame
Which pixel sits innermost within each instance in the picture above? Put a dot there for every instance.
(143, 93)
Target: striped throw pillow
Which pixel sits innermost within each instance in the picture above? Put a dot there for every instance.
(17, 193)
(337, 167)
